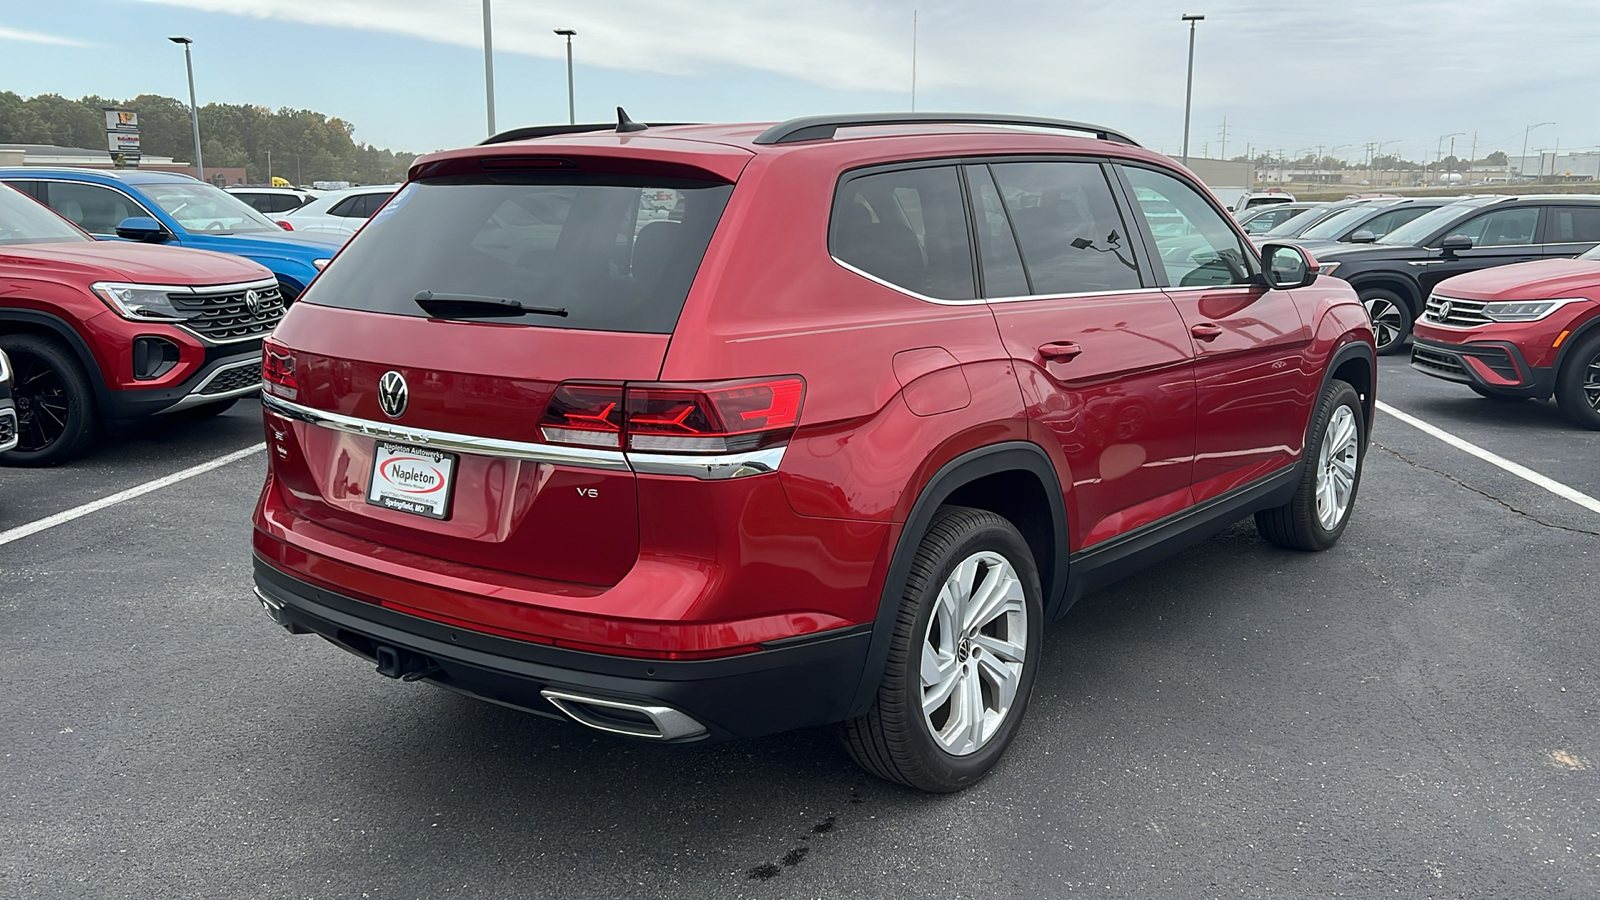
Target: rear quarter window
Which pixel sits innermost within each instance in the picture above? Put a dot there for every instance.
(615, 254)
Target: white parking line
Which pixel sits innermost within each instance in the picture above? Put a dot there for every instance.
(1521, 471)
(78, 512)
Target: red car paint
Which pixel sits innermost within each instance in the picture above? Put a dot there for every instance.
(1531, 370)
(46, 292)
(1177, 396)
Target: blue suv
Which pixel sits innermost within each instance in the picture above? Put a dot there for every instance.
(160, 207)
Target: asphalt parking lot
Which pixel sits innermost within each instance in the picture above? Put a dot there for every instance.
(1415, 713)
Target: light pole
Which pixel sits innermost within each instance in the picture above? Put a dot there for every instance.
(1188, 90)
(1522, 161)
(572, 108)
(488, 64)
(194, 111)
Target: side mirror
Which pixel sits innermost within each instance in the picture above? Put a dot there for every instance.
(1455, 243)
(1288, 267)
(142, 228)
(1361, 236)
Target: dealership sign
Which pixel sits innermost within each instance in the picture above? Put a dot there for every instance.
(122, 135)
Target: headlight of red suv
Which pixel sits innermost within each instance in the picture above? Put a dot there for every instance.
(141, 302)
(1526, 310)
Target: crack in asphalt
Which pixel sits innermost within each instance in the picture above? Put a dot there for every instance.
(1483, 493)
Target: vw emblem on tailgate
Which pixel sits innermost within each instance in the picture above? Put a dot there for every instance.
(252, 302)
(392, 394)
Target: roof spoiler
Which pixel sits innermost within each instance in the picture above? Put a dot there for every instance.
(623, 125)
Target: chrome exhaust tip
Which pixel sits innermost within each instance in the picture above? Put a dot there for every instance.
(640, 720)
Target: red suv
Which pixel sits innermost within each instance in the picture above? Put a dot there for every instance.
(109, 332)
(1518, 332)
(700, 432)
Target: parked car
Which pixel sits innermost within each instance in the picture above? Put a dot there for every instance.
(790, 458)
(272, 201)
(339, 213)
(8, 407)
(111, 332)
(1262, 219)
(1253, 199)
(1530, 330)
(1365, 223)
(1297, 225)
(1395, 274)
(164, 207)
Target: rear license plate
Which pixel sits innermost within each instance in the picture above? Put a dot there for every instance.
(412, 479)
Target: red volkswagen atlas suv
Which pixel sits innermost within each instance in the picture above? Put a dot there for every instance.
(710, 431)
(1530, 330)
(105, 333)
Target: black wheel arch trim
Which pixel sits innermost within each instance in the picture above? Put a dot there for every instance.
(60, 328)
(1352, 349)
(994, 459)
(1577, 336)
(1410, 289)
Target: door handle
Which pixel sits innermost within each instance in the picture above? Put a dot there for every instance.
(1206, 331)
(1060, 351)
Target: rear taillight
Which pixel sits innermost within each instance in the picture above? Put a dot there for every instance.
(277, 370)
(584, 415)
(285, 225)
(726, 417)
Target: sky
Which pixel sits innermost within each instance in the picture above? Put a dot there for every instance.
(1284, 75)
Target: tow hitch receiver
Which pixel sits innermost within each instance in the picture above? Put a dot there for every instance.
(404, 665)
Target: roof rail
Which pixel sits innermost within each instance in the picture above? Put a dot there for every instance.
(821, 128)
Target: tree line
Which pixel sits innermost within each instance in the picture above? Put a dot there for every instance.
(297, 144)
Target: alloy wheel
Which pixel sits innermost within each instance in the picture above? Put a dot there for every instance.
(1591, 384)
(973, 653)
(1387, 321)
(42, 403)
(1336, 467)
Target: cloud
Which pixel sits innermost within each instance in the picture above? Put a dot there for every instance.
(1284, 73)
(34, 37)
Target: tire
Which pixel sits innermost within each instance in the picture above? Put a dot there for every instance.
(1305, 522)
(1391, 319)
(933, 751)
(1502, 398)
(56, 416)
(1578, 385)
(201, 413)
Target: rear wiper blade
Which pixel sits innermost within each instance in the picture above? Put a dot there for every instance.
(470, 306)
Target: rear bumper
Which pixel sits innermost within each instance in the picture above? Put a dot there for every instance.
(1495, 366)
(785, 685)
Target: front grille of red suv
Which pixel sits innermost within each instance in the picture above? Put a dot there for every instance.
(224, 314)
(1460, 313)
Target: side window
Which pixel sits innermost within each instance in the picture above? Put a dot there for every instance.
(34, 189)
(1502, 228)
(907, 227)
(1196, 245)
(93, 208)
(1072, 238)
(346, 207)
(1383, 223)
(997, 245)
(1574, 225)
(280, 203)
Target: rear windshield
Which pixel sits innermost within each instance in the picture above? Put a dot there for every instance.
(616, 254)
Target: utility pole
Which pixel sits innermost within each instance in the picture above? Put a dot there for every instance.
(1522, 161)
(1188, 91)
(1224, 151)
